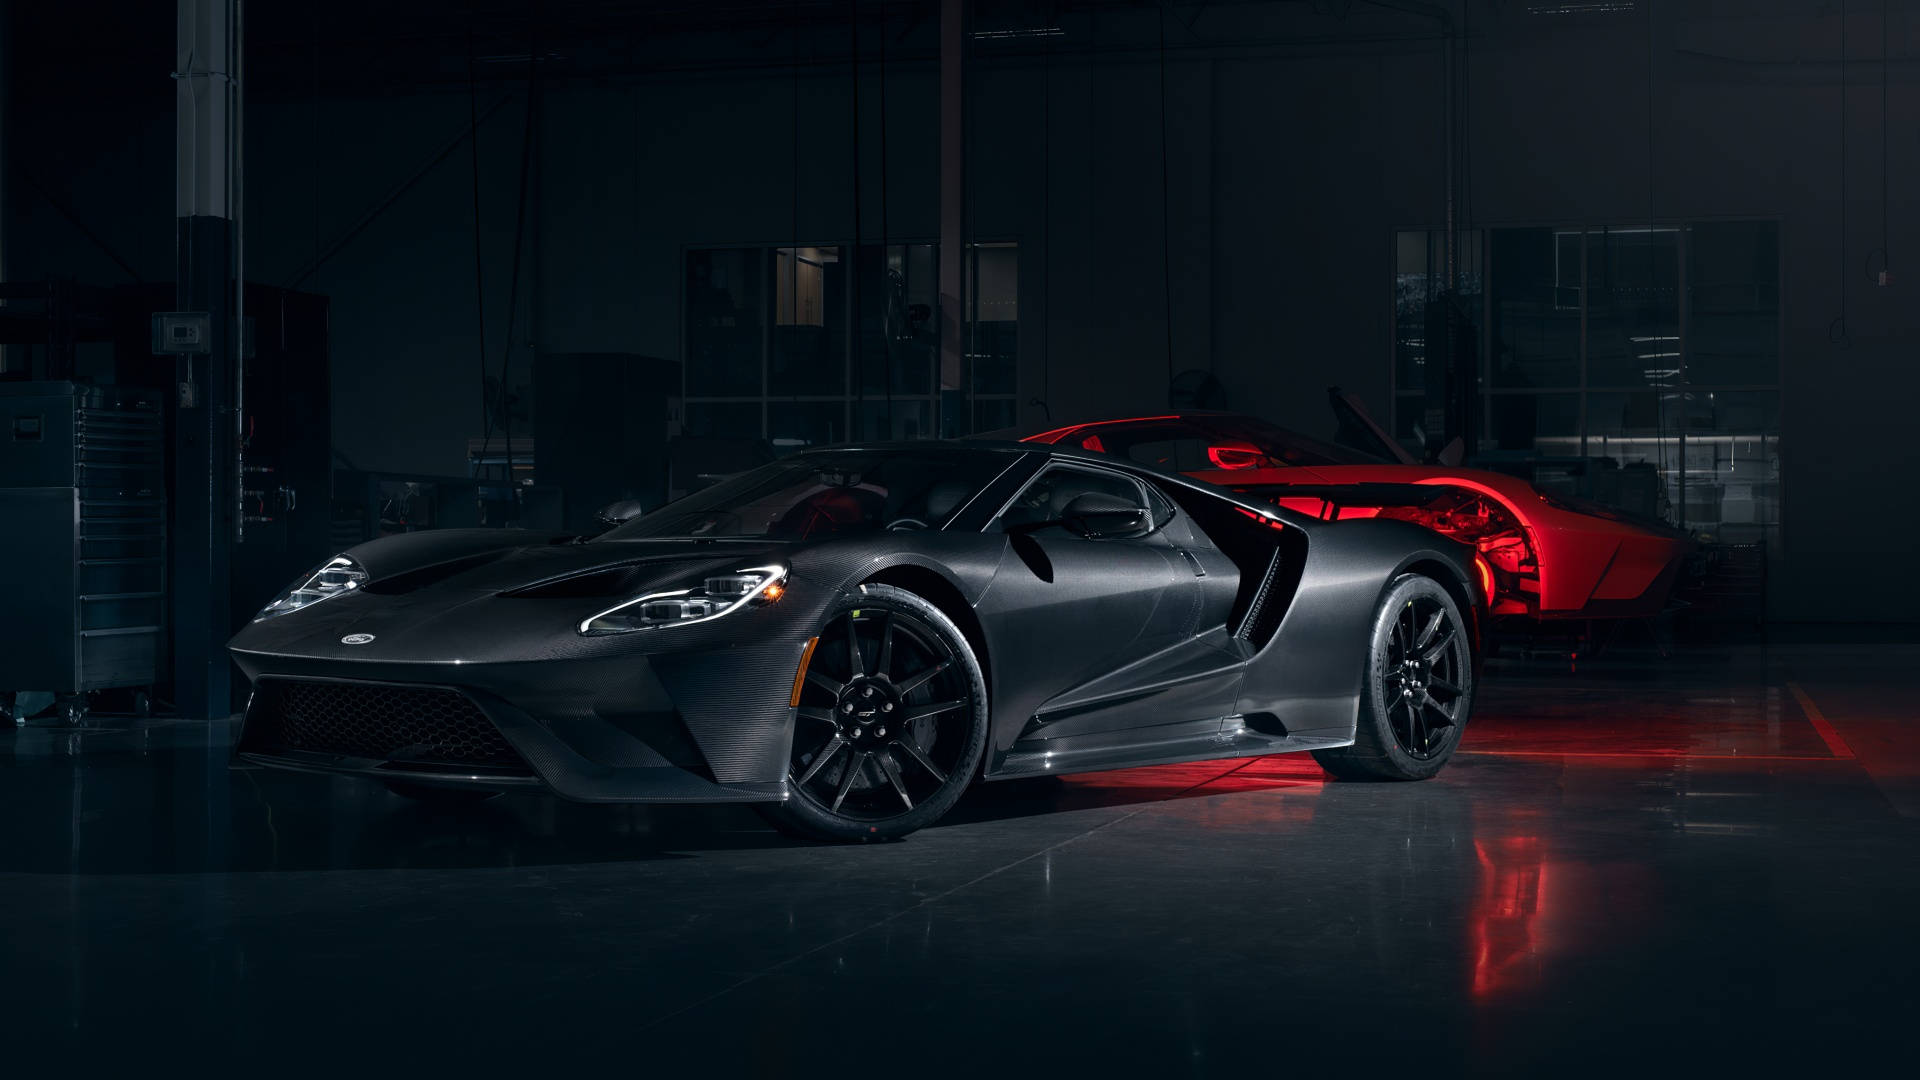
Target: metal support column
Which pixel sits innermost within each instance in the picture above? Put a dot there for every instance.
(205, 493)
(952, 418)
(7, 34)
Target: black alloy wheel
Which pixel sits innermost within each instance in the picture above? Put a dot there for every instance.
(1422, 684)
(891, 723)
(1417, 691)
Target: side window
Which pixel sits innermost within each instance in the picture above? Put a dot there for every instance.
(1046, 498)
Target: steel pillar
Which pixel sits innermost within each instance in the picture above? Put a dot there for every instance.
(205, 494)
(953, 419)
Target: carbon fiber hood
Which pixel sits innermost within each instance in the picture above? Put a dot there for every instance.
(640, 565)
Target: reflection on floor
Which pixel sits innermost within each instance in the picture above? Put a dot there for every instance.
(1704, 862)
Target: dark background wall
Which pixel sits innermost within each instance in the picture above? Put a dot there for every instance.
(1293, 138)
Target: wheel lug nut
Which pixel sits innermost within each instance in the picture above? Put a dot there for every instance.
(866, 691)
(882, 731)
(886, 706)
(847, 708)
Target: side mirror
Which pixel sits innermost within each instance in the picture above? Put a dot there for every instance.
(1098, 516)
(618, 513)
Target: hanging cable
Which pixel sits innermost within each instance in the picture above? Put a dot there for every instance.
(313, 28)
(1166, 231)
(1465, 117)
(500, 400)
(479, 274)
(1662, 428)
(1093, 101)
(852, 260)
(886, 265)
(1046, 226)
(793, 104)
(526, 161)
(634, 203)
(1837, 330)
(969, 291)
(1882, 276)
(1650, 149)
(793, 220)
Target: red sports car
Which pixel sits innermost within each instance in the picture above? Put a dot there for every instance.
(1541, 556)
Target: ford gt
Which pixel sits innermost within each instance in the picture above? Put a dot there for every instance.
(849, 637)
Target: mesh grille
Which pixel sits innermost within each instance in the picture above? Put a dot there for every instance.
(405, 723)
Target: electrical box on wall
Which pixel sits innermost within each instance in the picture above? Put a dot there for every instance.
(182, 333)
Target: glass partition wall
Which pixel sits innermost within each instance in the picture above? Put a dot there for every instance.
(1636, 365)
(814, 345)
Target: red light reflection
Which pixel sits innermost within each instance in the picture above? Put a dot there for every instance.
(1513, 892)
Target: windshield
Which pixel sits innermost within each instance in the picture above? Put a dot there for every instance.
(827, 493)
(1198, 443)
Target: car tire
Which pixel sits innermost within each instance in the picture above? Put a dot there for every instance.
(1417, 691)
(440, 796)
(937, 754)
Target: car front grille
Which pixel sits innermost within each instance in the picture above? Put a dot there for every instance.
(394, 723)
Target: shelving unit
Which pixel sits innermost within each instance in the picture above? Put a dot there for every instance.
(83, 496)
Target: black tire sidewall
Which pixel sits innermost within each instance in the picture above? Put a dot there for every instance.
(1374, 735)
(800, 816)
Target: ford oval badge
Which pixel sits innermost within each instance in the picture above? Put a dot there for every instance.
(356, 639)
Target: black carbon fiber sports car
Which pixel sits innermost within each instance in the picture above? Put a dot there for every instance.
(851, 636)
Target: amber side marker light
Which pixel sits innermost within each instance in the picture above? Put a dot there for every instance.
(800, 676)
(1485, 568)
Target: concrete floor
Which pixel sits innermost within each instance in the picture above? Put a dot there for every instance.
(1699, 863)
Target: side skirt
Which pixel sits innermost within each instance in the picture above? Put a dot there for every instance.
(1167, 744)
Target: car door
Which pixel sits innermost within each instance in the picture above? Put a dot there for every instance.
(1066, 610)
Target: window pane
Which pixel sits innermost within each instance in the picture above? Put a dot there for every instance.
(1410, 423)
(1733, 289)
(1639, 433)
(726, 419)
(902, 418)
(1412, 285)
(996, 313)
(1421, 330)
(992, 414)
(726, 297)
(809, 324)
(898, 332)
(795, 425)
(1633, 307)
(1534, 281)
(1546, 423)
(1733, 464)
(1046, 499)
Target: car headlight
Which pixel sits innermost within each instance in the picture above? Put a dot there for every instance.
(335, 577)
(712, 598)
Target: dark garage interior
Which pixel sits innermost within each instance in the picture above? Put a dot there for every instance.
(479, 482)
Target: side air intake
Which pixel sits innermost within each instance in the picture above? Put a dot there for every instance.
(1277, 589)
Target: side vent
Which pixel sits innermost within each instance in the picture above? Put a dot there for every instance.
(1277, 589)
(1252, 617)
